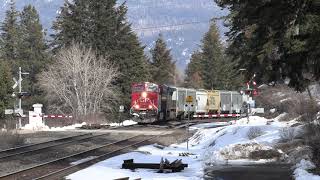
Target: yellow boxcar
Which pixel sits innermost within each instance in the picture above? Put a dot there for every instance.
(214, 100)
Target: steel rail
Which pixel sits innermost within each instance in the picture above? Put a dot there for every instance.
(36, 144)
(74, 168)
(54, 145)
(15, 175)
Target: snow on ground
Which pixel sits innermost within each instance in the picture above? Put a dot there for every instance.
(83, 160)
(273, 110)
(212, 144)
(124, 123)
(286, 99)
(43, 127)
(301, 173)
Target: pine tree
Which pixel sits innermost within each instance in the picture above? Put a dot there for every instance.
(210, 68)
(10, 35)
(277, 40)
(102, 25)
(32, 52)
(5, 87)
(216, 69)
(193, 71)
(163, 68)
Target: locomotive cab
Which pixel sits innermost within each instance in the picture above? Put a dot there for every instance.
(145, 102)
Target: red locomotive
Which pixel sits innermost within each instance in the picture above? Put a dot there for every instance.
(144, 101)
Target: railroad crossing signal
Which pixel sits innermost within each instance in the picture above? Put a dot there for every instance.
(16, 83)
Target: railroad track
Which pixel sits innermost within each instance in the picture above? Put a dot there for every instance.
(62, 167)
(14, 152)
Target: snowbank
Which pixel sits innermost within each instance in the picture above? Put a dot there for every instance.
(301, 173)
(111, 168)
(42, 127)
(233, 143)
(211, 144)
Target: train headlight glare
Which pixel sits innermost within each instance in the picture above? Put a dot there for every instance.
(144, 94)
(137, 106)
(150, 106)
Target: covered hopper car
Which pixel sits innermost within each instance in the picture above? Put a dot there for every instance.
(151, 102)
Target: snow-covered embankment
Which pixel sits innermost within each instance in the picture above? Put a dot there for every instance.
(233, 144)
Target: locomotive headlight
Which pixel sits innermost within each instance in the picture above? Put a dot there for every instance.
(137, 106)
(150, 106)
(144, 94)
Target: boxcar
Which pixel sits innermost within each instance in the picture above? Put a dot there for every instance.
(180, 97)
(225, 106)
(201, 102)
(231, 101)
(237, 102)
(213, 104)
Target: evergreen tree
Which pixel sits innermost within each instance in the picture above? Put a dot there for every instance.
(102, 25)
(10, 35)
(275, 39)
(163, 68)
(32, 52)
(5, 87)
(193, 71)
(210, 68)
(217, 72)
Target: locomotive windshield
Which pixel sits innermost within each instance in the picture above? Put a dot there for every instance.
(152, 88)
(138, 88)
(149, 87)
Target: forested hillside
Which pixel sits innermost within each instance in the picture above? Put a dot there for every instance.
(149, 18)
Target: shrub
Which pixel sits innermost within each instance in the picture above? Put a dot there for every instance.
(285, 99)
(254, 132)
(265, 154)
(287, 134)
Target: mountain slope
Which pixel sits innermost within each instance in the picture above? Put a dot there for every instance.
(149, 18)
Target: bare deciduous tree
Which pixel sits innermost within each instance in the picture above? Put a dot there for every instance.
(79, 82)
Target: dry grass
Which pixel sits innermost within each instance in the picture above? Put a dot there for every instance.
(288, 146)
(11, 139)
(286, 100)
(265, 154)
(249, 150)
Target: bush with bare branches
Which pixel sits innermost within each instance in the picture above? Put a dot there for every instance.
(287, 134)
(79, 82)
(285, 99)
(254, 132)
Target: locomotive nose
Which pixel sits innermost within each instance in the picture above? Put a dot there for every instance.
(144, 94)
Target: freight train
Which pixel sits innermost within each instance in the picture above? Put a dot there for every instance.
(152, 102)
